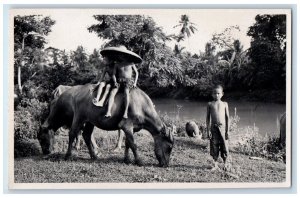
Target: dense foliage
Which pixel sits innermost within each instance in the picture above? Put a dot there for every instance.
(268, 51)
(179, 74)
(165, 71)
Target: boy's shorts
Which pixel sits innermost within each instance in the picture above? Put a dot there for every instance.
(126, 83)
(111, 82)
(218, 144)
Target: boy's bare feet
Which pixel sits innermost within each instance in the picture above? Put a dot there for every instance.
(117, 150)
(98, 104)
(108, 115)
(227, 167)
(216, 167)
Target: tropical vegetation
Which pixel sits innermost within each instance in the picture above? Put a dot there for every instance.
(167, 71)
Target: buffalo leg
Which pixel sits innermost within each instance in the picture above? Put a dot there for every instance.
(77, 141)
(88, 138)
(126, 158)
(94, 141)
(129, 143)
(120, 140)
(75, 129)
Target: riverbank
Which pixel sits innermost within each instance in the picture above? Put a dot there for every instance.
(270, 96)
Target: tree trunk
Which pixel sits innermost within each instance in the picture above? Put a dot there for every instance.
(232, 57)
(19, 78)
(21, 64)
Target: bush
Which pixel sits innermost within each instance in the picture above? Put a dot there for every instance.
(25, 148)
(272, 149)
(28, 116)
(252, 144)
(242, 140)
(180, 124)
(24, 124)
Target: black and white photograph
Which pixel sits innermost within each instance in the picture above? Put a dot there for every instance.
(150, 98)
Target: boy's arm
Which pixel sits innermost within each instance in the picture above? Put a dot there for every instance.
(114, 78)
(208, 120)
(102, 76)
(136, 75)
(227, 120)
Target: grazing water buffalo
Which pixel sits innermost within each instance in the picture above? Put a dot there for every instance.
(56, 93)
(192, 130)
(59, 90)
(75, 109)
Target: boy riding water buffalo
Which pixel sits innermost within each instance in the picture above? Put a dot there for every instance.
(122, 64)
(75, 109)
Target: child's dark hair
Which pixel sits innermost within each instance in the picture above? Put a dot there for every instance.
(218, 87)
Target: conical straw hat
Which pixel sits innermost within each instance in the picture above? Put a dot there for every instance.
(131, 56)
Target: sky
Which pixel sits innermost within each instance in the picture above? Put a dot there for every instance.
(71, 26)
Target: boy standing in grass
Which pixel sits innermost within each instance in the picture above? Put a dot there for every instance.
(217, 124)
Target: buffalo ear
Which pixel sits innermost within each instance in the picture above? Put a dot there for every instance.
(171, 136)
(167, 133)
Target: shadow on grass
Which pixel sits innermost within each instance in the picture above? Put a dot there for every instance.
(191, 143)
(85, 159)
(188, 167)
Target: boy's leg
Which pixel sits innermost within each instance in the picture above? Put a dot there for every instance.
(126, 92)
(101, 102)
(224, 151)
(100, 88)
(214, 152)
(111, 101)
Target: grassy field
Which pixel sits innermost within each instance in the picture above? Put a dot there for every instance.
(190, 162)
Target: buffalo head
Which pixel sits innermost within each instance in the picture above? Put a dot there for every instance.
(163, 146)
(46, 139)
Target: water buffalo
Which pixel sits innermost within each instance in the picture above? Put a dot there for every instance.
(59, 90)
(75, 109)
(192, 130)
(282, 136)
(56, 93)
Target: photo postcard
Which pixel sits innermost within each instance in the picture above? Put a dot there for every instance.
(149, 98)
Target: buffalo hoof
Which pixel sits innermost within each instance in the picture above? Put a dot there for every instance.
(95, 157)
(139, 162)
(67, 157)
(127, 161)
(46, 157)
(163, 165)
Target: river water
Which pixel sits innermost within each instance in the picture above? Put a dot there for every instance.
(264, 116)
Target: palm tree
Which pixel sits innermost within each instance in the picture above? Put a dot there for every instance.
(187, 28)
(79, 57)
(178, 49)
(94, 58)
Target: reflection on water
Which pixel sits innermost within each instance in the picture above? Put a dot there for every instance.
(265, 116)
